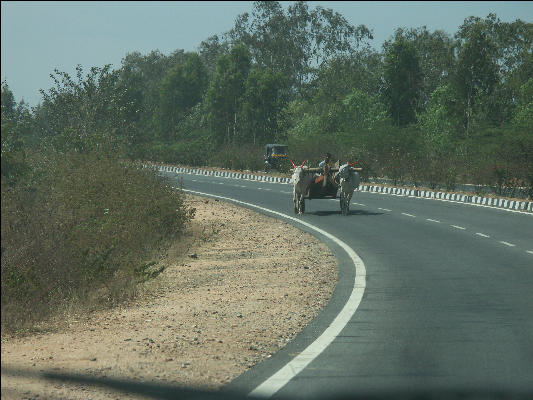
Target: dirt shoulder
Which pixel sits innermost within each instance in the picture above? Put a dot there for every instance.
(246, 286)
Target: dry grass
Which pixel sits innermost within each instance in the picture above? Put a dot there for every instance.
(80, 232)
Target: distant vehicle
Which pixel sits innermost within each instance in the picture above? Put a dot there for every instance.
(275, 156)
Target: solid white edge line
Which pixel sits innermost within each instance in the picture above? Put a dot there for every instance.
(273, 384)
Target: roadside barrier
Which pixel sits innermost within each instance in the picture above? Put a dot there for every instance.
(497, 202)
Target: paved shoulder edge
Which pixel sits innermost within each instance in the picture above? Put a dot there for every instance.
(277, 380)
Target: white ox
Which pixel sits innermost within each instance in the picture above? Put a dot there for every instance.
(348, 181)
(301, 179)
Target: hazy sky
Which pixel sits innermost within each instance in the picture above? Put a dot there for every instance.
(40, 36)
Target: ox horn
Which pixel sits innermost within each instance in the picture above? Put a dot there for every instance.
(352, 164)
(303, 164)
(293, 164)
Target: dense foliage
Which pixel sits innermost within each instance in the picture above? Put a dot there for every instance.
(429, 108)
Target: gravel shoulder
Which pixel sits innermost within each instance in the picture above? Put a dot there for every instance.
(236, 289)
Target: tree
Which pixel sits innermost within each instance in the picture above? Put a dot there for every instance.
(520, 137)
(442, 115)
(476, 73)
(263, 101)
(16, 123)
(435, 51)
(225, 94)
(403, 80)
(140, 78)
(362, 111)
(438, 125)
(294, 41)
(130, 84)
(523, 115)
(8, 103)
(210, 50)
(515, 60)
(84, 114)
(336, 78)
(182, 88)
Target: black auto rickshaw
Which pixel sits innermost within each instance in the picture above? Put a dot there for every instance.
(275, 156)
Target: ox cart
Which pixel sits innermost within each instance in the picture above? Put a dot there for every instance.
(325, 183)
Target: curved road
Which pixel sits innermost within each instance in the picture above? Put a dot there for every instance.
(448, 303)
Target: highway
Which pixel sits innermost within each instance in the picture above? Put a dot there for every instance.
(447, 303)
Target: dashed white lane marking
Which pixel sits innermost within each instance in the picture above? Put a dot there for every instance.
(507, 243)
(269, 387)
(386, 209)
(449, 201)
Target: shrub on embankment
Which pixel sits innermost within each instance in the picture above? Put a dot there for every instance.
(80, 230)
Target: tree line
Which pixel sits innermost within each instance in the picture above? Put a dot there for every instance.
(427, 108)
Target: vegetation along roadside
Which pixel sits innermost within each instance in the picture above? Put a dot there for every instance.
(80, 230)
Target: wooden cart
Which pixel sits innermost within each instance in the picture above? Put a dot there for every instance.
(325, 186)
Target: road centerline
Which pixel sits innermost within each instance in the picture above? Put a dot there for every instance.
(507, 243)
(409, 215)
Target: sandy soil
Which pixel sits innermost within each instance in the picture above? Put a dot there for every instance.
(235, 291)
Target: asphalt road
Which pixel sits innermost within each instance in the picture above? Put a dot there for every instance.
(448, 302)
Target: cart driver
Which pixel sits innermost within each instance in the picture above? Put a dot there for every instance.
(325, 165)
